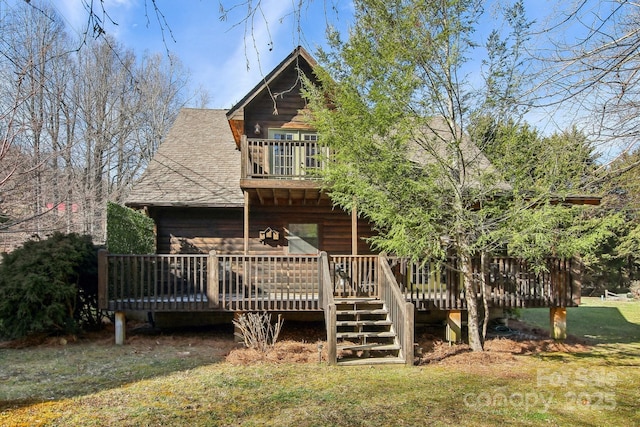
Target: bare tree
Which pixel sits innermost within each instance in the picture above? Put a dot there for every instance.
(126, 107)
(77, 125)
(34, 49)
(592, 77)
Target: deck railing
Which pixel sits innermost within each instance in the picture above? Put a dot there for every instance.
(153, 282)
(355, 275)
(401, 312)
(511, 283)
(184, 282)
(300, 283)
(266, 282)
(280, 159)
(328, 304)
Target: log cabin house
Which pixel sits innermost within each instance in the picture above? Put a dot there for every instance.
(242, 224)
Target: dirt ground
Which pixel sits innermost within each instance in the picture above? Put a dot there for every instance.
(305, 343)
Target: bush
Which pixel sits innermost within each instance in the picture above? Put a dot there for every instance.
(49, 286)
(257, 331)
(128, 231)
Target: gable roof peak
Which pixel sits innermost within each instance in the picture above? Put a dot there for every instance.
(236, 112)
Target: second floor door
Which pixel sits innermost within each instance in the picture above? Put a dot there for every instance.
(297, 153)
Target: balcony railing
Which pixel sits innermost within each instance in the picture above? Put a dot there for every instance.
(278, 159)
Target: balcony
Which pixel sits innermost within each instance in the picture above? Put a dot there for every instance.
(278, 159)
(282, 170)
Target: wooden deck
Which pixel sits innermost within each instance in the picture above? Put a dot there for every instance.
(239, 283)
(182, 283)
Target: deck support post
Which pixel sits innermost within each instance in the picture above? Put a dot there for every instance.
(454, 326)
(558, 320)
(120, 327)
(354, 229)
(408, 339)
(246, 222)
(332, 341)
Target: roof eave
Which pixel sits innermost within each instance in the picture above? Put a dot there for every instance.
(141, 205)
(233, 113)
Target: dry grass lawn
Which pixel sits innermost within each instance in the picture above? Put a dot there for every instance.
(204, 378)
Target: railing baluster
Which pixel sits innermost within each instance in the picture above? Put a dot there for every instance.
(280, 159)
(179, 282)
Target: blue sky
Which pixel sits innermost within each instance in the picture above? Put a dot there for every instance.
(216, 52)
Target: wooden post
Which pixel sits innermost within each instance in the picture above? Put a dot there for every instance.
(454, 326)
(576, 281)
(213, 291)
(244, 156)
(103, 272)
(332, 341)
(322, 257)
(558, 319)
(354, 230)
(380, 284)
(246, 222)
(408, 334)
(121, 325)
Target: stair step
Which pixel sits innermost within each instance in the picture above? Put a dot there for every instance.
(371, 347)
(360, 306)
(354, 312)
(375, 353)
(371, 361)
(343, 335)
(364, 323)
(357, 300)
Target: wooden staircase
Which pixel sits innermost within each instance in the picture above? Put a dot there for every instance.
(365, 333)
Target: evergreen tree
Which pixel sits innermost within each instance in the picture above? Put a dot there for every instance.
(48, 286)
(397, 113)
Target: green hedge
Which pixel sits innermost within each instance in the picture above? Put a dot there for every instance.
(49, 286)
(129, 231)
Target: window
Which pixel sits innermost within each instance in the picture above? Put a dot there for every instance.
(303, 238)
(312, 150)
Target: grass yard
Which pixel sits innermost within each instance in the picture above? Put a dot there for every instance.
(189, 380)
(613, 327)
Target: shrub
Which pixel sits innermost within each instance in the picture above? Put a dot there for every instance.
(128, 231)
(49, 286)
(257, 331)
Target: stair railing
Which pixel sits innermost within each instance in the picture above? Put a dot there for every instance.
(329, 306)
(401, 312)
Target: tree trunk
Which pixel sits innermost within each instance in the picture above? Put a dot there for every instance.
(484, 266)
(473, 318)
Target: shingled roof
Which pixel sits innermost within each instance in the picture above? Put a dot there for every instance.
(197, 165)
(433, 136)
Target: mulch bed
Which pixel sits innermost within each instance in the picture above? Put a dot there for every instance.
(304, 342)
